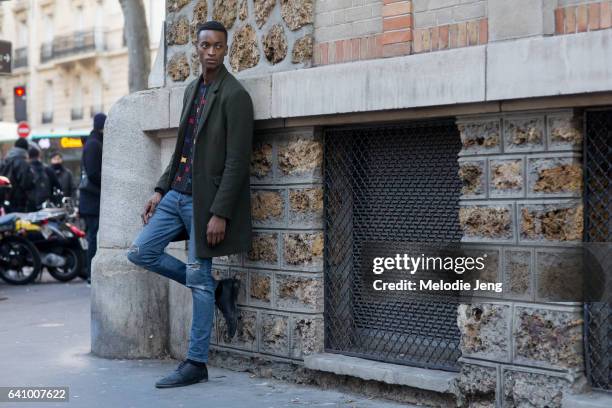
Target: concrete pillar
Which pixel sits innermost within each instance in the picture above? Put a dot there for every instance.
(129, 306)
(520, 18)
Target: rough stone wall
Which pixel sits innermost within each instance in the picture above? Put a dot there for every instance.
(263, 35)
(281, 300)
(522, 177)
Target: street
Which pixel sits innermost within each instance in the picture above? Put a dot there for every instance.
(45, 341)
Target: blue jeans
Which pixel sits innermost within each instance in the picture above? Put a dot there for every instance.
(173, 213)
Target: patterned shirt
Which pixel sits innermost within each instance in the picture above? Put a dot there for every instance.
(182, 179)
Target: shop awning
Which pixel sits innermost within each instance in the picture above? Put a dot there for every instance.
(8, 131)
(58, 134)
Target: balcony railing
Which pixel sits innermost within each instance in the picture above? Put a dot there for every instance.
(95, 109)
(47, 117)
(20, 59)
(76, 113)
(75, 43)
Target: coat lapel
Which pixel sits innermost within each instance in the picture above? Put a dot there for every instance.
(212, 97)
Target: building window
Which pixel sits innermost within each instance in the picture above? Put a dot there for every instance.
(77, 101)
(47, 116)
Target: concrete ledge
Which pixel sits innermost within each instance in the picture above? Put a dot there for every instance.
(590, 400)
(431, 380)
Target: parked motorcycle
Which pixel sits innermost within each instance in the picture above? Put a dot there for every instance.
(20, 261)
(61, 244)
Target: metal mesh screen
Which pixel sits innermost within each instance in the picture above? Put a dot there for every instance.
(392, 185)
(598, 228)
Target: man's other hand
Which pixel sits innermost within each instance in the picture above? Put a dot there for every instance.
(215, 231)
(150, 206)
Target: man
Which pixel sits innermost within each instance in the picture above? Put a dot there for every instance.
(45, 181)
(89, 188)
(64, 175)
(16, 167)
(205, 191)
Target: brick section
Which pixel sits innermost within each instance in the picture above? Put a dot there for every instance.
(394, 40)
(458, 35)
(583, 17)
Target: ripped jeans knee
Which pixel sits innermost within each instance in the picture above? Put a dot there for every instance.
(136, 255)
(199, 275)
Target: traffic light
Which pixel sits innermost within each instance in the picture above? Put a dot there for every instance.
(21, 106)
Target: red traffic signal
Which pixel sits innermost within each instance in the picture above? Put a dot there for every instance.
(20, 91)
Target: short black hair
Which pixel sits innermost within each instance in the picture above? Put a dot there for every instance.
(56, 153)
(33, 152)
(211, 25)
(22, 143)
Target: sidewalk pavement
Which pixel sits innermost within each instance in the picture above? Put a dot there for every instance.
(45, 341)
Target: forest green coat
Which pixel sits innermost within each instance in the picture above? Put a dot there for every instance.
(221, 163)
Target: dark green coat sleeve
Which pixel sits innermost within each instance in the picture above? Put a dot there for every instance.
(239, 138)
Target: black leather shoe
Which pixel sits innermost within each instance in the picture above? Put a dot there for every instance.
(225, 299)
(185, 374)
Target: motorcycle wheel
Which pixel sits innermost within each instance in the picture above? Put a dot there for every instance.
(20, 261)
(74, 264)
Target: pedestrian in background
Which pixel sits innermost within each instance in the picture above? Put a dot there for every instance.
(64, 175)
(89, 188)
(17, 168)
(45, 182)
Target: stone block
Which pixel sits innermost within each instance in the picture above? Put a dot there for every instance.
(518, 276)
(300, 159)
(178, 67)
(176, 106)
(487, 222)
(200, 15)
(260, 288)
(232, 260)
(306, 207)
(243, 12)
(559, 275)
(297, 13)
(307, 335)
(268, 207)
(555, 222)
(480, 136)
(262, 161)
(564, 131)
(298, 292)
(225, 11)
(303, 250)
(477, 386)
(242, 276)
(554, 176)
(177, 31)
(264, 249)
(275, 44)
(485, 330)
(532, 389)
(515, 19)
(524, 133)
(473, 176)
(302, 50)
(491, 273)
(274, 334)
(219, 272)
(506, 178)
(244, 52)
(548, 338)
(176, 5)
(246, 331)
(263, 9)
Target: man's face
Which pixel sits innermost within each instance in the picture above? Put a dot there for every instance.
(56, 160)
(212, 48)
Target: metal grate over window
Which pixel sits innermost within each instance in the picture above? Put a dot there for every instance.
(389, 185)
(598, 229)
